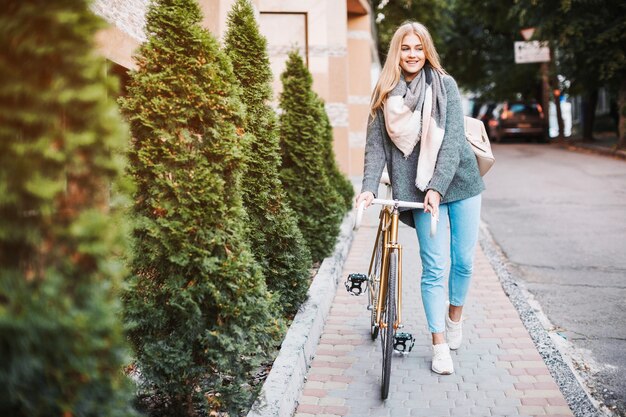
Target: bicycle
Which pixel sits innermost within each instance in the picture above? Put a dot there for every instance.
(384, 282)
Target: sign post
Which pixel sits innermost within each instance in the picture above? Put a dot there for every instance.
(527, 33)
(528, 52)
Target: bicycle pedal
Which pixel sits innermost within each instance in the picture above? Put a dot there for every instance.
(354, 283)
(403, 342)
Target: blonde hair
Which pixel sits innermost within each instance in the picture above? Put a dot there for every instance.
(390, 74)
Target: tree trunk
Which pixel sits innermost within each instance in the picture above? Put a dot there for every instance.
(589, 114)
(621, 106)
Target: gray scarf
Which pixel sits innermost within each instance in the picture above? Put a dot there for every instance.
(417, 112)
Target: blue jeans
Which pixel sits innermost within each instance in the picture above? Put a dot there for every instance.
(459, 221)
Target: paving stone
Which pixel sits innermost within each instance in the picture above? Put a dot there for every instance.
(494, 394)
(336, 409)
(467, 386)
(456, 395)
(475, 394)
(504, 411)
(310, 409)
(461, 412)
(506, 402)
(305, 399)
(432, 395)
(331, 401)
(443, 403)
(480, 411)
(330, 385)
(534, 401)
(558, 410)
(485, 402)
(532, 410)
(430, 412)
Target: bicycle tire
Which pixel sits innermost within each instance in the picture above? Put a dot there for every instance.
(373, 282)
(389, 318)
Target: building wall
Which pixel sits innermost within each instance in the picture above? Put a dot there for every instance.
(361, 49)
(333, 36)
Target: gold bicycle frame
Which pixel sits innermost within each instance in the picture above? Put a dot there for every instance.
(388, 231)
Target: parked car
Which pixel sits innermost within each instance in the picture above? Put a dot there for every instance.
(485, 114)
(517, 119)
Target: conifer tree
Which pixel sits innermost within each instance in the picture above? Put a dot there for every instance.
(61, 148)
(318, 205)
(275, 238)
(198, 307)
(337, 179)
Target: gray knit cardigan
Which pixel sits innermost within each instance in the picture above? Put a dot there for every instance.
(456, 174)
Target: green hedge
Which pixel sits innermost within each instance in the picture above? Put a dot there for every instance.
(317, 203)
(200, 317)
(61, 149)
(275, 238)
(337, 179)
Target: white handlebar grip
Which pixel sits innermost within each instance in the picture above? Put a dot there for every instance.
(359, 215)
(434, 219)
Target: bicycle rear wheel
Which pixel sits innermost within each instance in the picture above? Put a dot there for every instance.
(373, 280)
(389, 318)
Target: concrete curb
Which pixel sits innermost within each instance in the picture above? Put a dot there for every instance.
(281, 390)
(577, 397)
(619, 154)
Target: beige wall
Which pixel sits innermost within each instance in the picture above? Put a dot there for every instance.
(330, 59)
(334, 37)
(360, 51)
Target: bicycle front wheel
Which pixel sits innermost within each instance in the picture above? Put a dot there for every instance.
(389, 318)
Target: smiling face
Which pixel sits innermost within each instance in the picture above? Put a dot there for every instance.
(412, 56)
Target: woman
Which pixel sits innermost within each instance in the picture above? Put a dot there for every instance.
(416, 129)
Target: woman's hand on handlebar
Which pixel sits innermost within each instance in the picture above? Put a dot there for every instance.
(431, 202)
(366, 196)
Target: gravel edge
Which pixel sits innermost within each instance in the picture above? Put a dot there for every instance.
(577, 397)
(281, 390)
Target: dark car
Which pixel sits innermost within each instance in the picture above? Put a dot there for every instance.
(517, 120)
(485, 112)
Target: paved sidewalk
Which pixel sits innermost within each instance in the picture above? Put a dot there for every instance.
(498, 371)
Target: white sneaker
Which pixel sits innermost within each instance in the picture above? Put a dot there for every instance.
(442, 361)
(454, 332)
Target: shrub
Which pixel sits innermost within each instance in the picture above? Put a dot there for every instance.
(275, 238)
(61, 148)
(198, 310)
(318, 205)
(337, 179)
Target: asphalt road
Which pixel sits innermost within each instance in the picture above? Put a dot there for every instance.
(560, 218)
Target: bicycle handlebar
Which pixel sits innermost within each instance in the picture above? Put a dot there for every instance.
(404, 204)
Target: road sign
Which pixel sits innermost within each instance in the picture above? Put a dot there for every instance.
(527, 33)
(533, 51)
